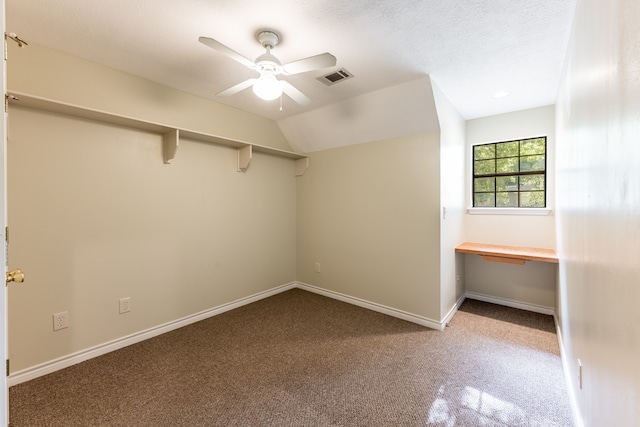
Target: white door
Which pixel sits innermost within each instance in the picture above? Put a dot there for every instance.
(4, 391)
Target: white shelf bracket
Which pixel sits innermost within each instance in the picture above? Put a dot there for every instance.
(244, 157)
(170, 143)
(301, 166)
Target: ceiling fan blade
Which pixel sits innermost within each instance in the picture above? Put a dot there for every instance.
(311, 63)
(294, 93)
(220, 48)
(237, 88)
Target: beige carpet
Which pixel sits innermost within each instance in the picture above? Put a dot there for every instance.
(300, 359)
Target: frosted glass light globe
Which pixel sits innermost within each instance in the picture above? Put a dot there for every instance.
(267, 87)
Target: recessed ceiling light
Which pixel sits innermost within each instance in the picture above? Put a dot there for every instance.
(502, 94)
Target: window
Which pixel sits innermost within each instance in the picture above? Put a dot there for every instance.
(510, 174)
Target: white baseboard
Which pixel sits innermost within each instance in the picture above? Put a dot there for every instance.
(99, 350)
(568, 376)
(424, 321)
(453, 311)
(511, 303)
(81, 356)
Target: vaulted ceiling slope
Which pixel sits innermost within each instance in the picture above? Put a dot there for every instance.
(400, 110)
(470, 48)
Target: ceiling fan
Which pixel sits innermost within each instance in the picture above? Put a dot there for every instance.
(267, 86)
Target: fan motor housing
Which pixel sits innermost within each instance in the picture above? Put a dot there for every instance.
(268, 63)
(268, 39)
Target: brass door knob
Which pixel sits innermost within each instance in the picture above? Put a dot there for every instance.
(15, 276)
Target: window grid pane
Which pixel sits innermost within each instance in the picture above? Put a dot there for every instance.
(510, 174)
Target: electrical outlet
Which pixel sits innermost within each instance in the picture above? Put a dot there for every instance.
(579, 374)
(317, 267)
(60, 320)
(125, 305)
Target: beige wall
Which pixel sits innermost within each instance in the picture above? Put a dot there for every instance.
(374, 116)
(369, 214)
(531, 286)
(95, 215)
(598, 207)
(452, 201)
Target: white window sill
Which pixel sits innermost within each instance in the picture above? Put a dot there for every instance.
(509, 211)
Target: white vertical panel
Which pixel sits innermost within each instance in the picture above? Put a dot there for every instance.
(598, 211)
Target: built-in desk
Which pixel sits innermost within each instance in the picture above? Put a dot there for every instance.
(508, 254)
(529, 287)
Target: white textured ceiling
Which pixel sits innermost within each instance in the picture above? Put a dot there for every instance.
(470, 48)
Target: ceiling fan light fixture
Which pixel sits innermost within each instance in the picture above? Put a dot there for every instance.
(501, 94)
(267, 87)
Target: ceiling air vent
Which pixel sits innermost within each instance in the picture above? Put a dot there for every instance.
(335, 77)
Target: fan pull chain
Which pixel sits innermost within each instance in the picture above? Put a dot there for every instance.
(280, 102)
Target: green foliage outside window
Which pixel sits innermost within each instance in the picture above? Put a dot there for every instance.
(510, 174)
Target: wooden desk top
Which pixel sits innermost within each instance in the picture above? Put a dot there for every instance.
(514, 252)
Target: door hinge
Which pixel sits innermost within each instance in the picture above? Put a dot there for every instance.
(7, 367)
(6, 248)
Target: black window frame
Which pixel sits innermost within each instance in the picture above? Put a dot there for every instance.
(496, 175)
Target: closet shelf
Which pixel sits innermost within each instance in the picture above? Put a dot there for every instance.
(171, 134)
